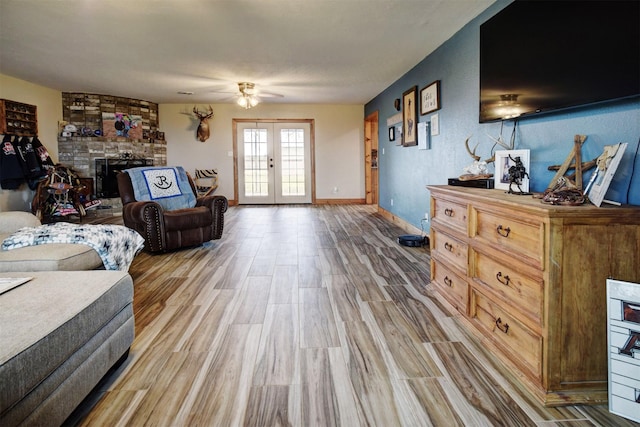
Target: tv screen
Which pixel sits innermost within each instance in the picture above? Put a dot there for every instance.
(542, 56)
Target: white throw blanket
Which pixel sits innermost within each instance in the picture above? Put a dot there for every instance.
(117, 245)
(167, 186)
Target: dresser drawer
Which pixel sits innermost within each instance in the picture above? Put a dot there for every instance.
(451, 286)
(513, 236)
(450, 249)
(523, 291)
(451, 214)
(523, 346)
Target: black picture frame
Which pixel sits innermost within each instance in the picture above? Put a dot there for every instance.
(392, 133)
(410, 117)
(430, 98)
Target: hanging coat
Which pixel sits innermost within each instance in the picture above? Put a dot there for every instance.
(43, 155)
(32, 166)
(21, 159)
(33, 171)
(11, 172)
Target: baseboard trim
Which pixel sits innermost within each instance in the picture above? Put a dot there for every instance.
(412, 229)
(322, 202)
(340, 202)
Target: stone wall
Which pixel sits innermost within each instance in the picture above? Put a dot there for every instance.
(87, 111)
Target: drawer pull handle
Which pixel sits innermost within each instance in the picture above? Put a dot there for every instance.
(447, 281)
(448, 212)
(504, 232)
(504, 328)
(448, 246)
(503, 279)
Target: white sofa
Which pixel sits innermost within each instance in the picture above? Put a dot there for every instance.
(50, 257)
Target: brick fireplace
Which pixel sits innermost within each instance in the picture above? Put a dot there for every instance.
(94, 135)
(81, 153)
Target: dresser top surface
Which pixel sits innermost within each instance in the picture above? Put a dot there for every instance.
(528, 202)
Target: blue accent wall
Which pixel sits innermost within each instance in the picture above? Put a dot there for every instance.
(404, 172)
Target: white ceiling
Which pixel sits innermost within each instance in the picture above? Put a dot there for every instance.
(309, 51)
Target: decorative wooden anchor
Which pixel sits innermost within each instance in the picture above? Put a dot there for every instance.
(569, 163)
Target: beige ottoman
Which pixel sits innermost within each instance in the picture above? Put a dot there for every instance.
(61, 332)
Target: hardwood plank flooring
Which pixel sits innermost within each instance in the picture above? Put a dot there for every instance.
(306, 316)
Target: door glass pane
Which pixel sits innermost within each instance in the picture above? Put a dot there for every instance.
(292, 160)
(256, 167)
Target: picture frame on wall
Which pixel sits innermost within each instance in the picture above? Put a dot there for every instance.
(392, 133)
(410, 117)
(505, 159)
(430, 98)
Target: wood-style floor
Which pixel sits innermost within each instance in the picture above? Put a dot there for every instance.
(306, 316)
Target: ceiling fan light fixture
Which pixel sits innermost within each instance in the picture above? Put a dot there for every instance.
(247, 99)
(246, 88)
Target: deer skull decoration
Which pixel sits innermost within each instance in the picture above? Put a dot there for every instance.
(473, 154)
(479, 167)
(203, 127)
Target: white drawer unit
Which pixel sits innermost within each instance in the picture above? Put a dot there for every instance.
(623, 339)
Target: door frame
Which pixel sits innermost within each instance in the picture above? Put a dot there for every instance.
(371, 175)
(312, 150)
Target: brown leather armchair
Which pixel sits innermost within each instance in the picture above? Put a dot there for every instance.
(167, 230)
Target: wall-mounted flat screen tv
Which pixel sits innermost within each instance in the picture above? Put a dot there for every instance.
(543, 56)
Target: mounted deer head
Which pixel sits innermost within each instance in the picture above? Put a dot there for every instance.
(203, 127)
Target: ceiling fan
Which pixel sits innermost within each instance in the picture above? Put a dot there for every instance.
(248, 96)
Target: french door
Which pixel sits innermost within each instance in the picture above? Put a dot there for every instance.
(274, 162)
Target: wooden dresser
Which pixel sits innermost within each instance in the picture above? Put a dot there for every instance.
(530, 280)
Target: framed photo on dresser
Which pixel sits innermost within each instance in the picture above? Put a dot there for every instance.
(505, 159)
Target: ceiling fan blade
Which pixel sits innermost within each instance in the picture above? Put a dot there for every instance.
(226, 92)
(269, 95)
(223, 92)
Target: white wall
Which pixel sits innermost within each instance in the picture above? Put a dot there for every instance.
(339, 142)
(49, 103)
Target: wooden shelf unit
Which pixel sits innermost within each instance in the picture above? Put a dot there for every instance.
(17, 118)
(529, 279)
